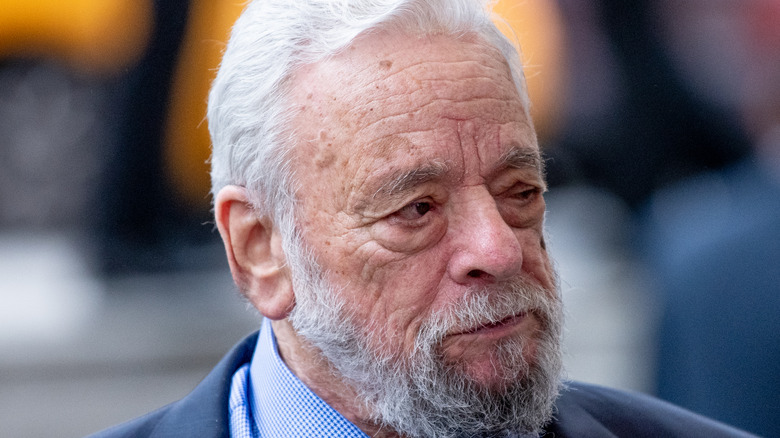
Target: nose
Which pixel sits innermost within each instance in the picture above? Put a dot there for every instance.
(486, 248)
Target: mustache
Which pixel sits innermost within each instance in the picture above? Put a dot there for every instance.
(490, 305)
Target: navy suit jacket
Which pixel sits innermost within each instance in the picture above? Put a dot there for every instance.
(582, 411)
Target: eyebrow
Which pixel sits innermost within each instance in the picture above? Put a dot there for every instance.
(403, 181)
(523, 158)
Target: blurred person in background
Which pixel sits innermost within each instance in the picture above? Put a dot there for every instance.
(379, 191)
(672, 117)
(632, 122)
(714, 240)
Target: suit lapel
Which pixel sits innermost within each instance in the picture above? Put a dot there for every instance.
(204, 412)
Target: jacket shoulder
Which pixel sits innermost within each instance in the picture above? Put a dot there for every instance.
(141, 426)
(585, 410)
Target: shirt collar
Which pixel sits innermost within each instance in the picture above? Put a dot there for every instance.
(282, 405)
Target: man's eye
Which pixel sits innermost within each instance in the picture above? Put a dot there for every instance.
(527, 194)
(414, 211)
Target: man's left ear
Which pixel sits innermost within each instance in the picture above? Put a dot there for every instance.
(255, 254)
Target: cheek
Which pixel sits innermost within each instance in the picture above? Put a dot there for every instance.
(393, 292)
(536, 261)
(403, 278)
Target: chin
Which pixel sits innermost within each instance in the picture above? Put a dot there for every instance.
(507, 362)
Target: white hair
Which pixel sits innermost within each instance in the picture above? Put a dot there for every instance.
(249, 106)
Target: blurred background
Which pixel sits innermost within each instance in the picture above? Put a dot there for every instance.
(660, 119)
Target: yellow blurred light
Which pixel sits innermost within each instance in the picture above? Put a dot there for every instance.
(101, 36)
(187, 142)
(538, 27)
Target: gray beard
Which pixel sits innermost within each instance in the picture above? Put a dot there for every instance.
(423, 395)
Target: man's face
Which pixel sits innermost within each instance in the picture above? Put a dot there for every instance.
(419, 183)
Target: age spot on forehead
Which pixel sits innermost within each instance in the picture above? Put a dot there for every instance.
(385, 64)
(393, 146)
(325, 155)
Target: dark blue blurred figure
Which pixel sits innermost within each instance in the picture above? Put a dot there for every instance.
(714, 241)
(717, 259)
(144, 226)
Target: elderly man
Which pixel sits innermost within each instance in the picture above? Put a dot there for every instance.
(378, 187)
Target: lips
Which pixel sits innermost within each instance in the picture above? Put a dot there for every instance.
(509, 321)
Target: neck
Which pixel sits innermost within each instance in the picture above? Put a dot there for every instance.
(307, 363)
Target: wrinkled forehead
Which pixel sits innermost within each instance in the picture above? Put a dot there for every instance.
(382, 74)
(376, 57)
(397, 100)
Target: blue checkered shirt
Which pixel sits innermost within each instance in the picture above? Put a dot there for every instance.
(267, 400)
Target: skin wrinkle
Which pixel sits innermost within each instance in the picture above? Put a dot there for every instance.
(387, 255)
(396, 277)
(467, 140)
(480, 67)
(365, 274)
(419, 79)
(432, 107)
(509, 154)
(477, 64)
(365, 196)
(449, 85)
